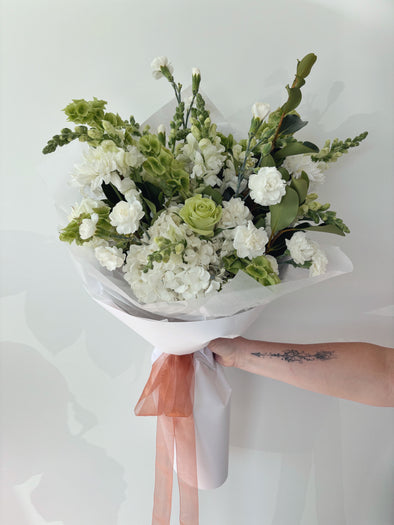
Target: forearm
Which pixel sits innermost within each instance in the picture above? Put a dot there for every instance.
(357, 371)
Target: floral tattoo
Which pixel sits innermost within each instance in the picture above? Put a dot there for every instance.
(295, 356)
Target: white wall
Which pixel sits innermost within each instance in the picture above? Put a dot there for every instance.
(72, 451)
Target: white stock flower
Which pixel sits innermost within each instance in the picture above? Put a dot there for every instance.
(296, 164)
(260, 110)
(267, 186)
(159, 62)
(319, 262)
(235, 213)
(134, 157)
(87, 227)
(300, 247)
(161, 128)
(109, 256)
(195, 72)
(250, 241)
(204, 159)
(125, 216)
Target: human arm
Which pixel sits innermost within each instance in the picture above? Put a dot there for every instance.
(359, 372)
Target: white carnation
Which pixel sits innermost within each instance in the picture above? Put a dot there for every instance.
(250, 241)
(125, 216)
(300, 247)
(85, 206)
(319, 262)
(296, 164)
(235, 213)
(87, 227)
(159, 62)
(101, 164)
(109, 256)
(267, 186)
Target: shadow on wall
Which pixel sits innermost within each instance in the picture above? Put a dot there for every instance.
(36, 440)
(42, 269)
(305, 429)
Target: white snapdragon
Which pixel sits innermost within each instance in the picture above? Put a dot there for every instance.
(260, 110)
(195, 72)
(87, 227)
(300, 247)
(110, 257)
(267, 186)
(296, 164)
(125, 216)
(250, 241)
(230, 177)
(133, 157)
(235, 213)
(159, 62)
(204, 158)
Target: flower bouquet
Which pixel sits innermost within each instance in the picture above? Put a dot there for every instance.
(183, 233)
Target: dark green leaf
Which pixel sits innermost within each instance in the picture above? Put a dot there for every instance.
(291, 124)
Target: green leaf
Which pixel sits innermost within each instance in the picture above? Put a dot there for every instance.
(301, 187)
(295, 148)
(285, 174)
(305, 177)
(215, 194)
(284, 213)
(267, 161)
(326, 228)
(150, 205)
(294, 99)
(291, 124)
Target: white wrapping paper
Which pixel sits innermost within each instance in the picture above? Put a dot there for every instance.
(185, 327)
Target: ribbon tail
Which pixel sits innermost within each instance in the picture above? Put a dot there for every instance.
(163, 471)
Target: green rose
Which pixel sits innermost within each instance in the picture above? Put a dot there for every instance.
(201, 214)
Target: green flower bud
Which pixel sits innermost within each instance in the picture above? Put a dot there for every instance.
(201, 214)
(196, 79)
(305, 65)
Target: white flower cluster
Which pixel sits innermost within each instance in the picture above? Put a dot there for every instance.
(203, 158)
(296, 164)
(187, 275)
(303, 249)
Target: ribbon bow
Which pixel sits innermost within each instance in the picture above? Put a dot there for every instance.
(169, 395)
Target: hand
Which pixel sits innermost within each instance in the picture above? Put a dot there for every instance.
(227, 352)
